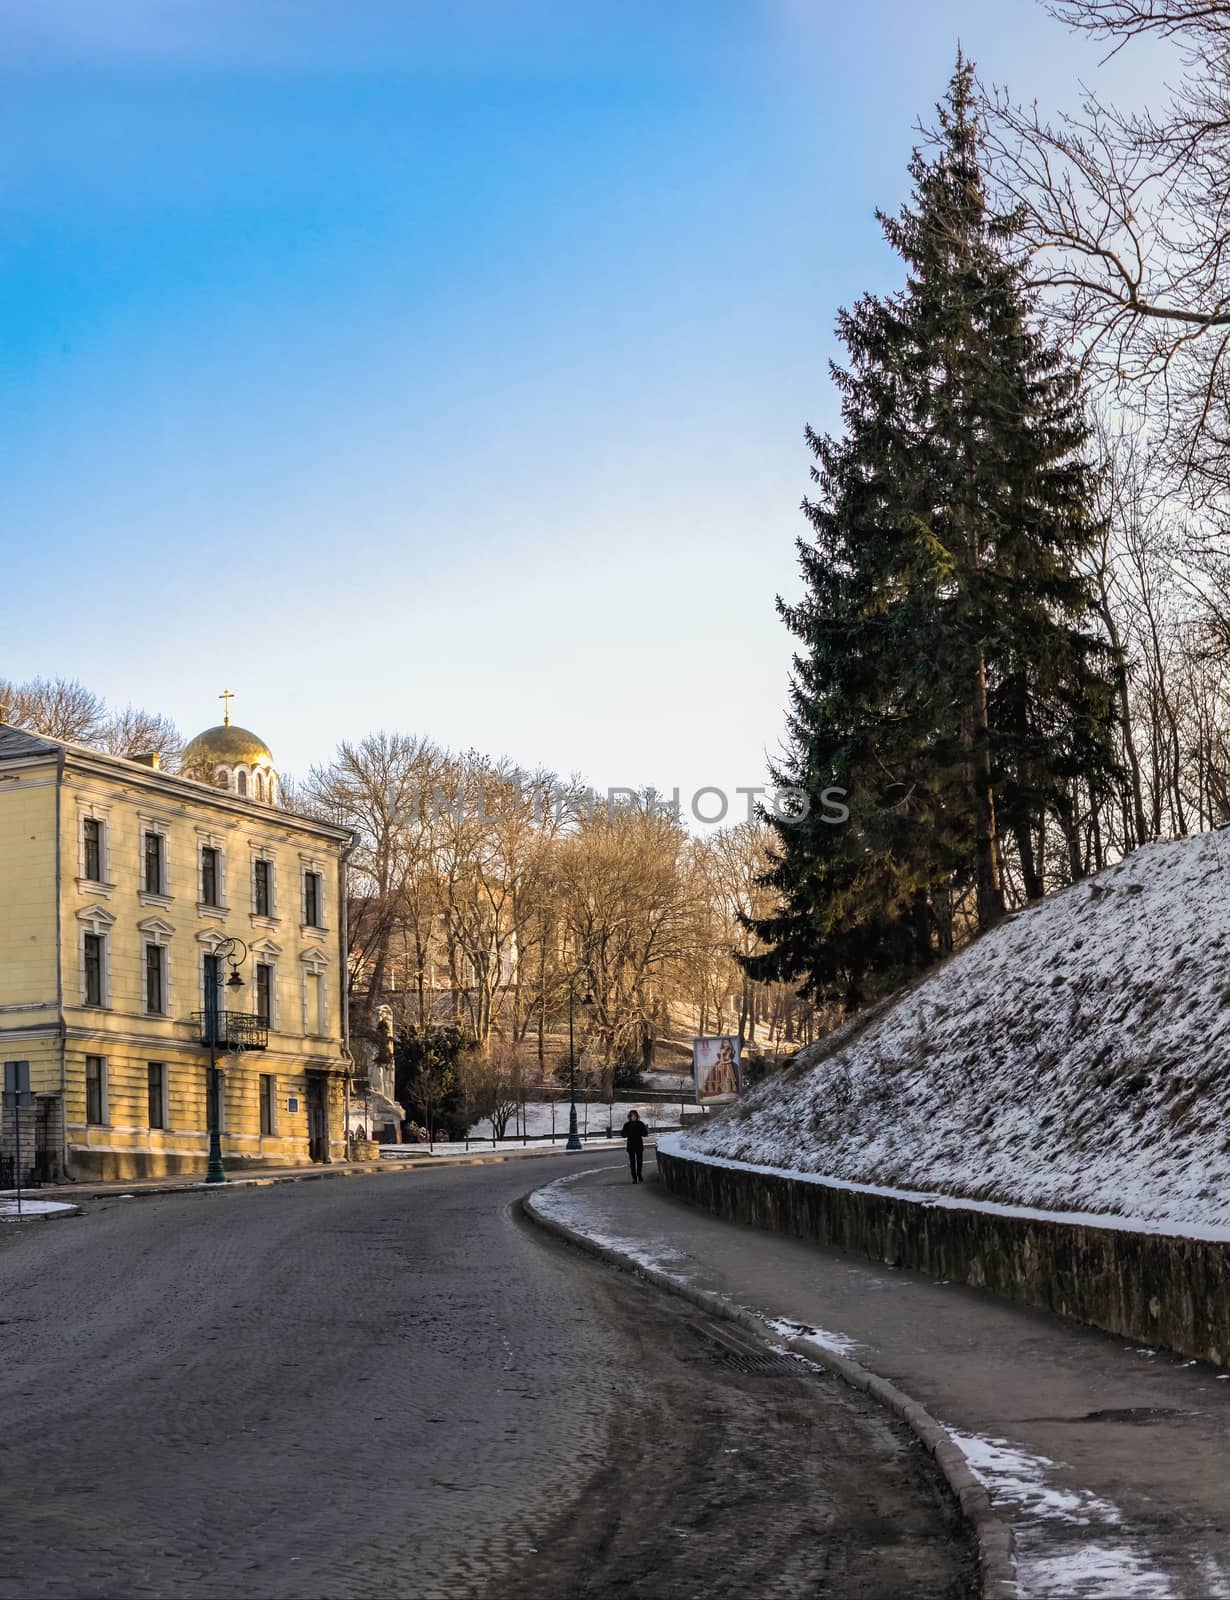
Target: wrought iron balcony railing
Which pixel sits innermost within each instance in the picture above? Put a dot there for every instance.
(232, 1030)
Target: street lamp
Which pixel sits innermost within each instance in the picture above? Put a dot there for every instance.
(574, 1137)
(236, 952)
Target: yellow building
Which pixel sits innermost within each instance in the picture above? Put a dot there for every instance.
(131, 900)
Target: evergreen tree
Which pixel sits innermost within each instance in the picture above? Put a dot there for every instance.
(949, 674)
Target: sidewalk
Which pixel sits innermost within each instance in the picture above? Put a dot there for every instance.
(421, 1160)
(1111, 1463)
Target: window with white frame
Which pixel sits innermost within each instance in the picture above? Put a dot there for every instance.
(96, 1090)
(94, 955)
(263, 994)
(92, 840)
(155, 980)
(313, 898)
(269, 1104)
(156, 965)
(264, 890)
(265, 982)
(212, 1002)
(154, 862)
(94, 845)
(211, 876)
(156, 1078)
(95, 966)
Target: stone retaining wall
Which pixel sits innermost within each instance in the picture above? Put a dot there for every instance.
(1157, 1289)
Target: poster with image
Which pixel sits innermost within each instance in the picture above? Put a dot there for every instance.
(715, 1066)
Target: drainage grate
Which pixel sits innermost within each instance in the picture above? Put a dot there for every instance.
(742, 1353)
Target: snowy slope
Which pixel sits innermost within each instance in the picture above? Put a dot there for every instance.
(1077, 1058)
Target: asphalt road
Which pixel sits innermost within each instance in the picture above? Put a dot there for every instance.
(397, 1387)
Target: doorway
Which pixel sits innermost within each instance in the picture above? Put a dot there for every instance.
(317, 1118)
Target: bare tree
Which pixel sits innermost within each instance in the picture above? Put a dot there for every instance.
(133, 732)
(60, 708)
(495, 1084)
(1126, 218)
(632, 917)
(377, 787)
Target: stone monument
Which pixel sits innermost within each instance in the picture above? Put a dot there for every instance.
(374, 1114)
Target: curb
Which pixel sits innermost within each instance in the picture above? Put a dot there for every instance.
(309, 1175)
(71, 1210)
(992, 1535)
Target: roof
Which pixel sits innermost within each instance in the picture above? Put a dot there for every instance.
(18, 742)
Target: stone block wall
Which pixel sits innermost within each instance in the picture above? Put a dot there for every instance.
(1154, 1288)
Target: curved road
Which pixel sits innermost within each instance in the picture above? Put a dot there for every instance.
(396, 1387)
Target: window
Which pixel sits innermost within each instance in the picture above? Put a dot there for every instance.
(211, 980)
(264, 992)
(155, 874)
(95, 955)
(269, 1097)
(241, 781)
(210, 876)
(155, 979)
(92, 854)
(311, 900)
(157, 1094)
(95, 1090)
(262, 887)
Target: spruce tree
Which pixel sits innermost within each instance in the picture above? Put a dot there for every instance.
(949, 675)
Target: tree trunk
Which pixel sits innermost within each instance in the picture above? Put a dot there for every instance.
(989, 879)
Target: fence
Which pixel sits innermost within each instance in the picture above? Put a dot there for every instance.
(37, 1130)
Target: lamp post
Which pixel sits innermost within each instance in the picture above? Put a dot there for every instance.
(574, 1137)
(236, 952)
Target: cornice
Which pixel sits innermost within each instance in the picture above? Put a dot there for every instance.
(153, 781)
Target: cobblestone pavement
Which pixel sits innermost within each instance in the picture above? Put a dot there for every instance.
(399, 1389)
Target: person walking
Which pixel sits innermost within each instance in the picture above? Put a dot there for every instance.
(633, 1133)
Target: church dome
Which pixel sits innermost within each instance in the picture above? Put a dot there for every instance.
(232, 758)
(227, 743)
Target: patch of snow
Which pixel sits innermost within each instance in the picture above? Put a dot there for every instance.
(558, 1202)
(1017, 1475)
(594, 1118)
(1089, 1572)
(837, 1343)
(1076, 1059)
(1051, 1565)
(33, 1208)
(478, 1147)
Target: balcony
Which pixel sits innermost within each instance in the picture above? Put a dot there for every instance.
(232, 1030)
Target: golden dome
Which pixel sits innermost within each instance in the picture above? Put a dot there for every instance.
(232, 758)
(226, 745)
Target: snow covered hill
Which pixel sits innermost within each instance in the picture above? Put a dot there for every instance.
(1077, 1058)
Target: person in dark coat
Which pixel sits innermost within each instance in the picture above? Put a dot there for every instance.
(633, 1133)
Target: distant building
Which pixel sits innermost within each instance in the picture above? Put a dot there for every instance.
(119, 882)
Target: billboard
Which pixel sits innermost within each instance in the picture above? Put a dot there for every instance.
(716, 1069)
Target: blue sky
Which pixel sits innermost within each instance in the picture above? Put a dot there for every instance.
(444, 367)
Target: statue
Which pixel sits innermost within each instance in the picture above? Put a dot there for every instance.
(373, 1108)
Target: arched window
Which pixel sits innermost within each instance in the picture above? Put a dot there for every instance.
(241, 779)
(258, 786)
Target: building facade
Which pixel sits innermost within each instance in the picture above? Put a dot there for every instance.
(141, 914)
